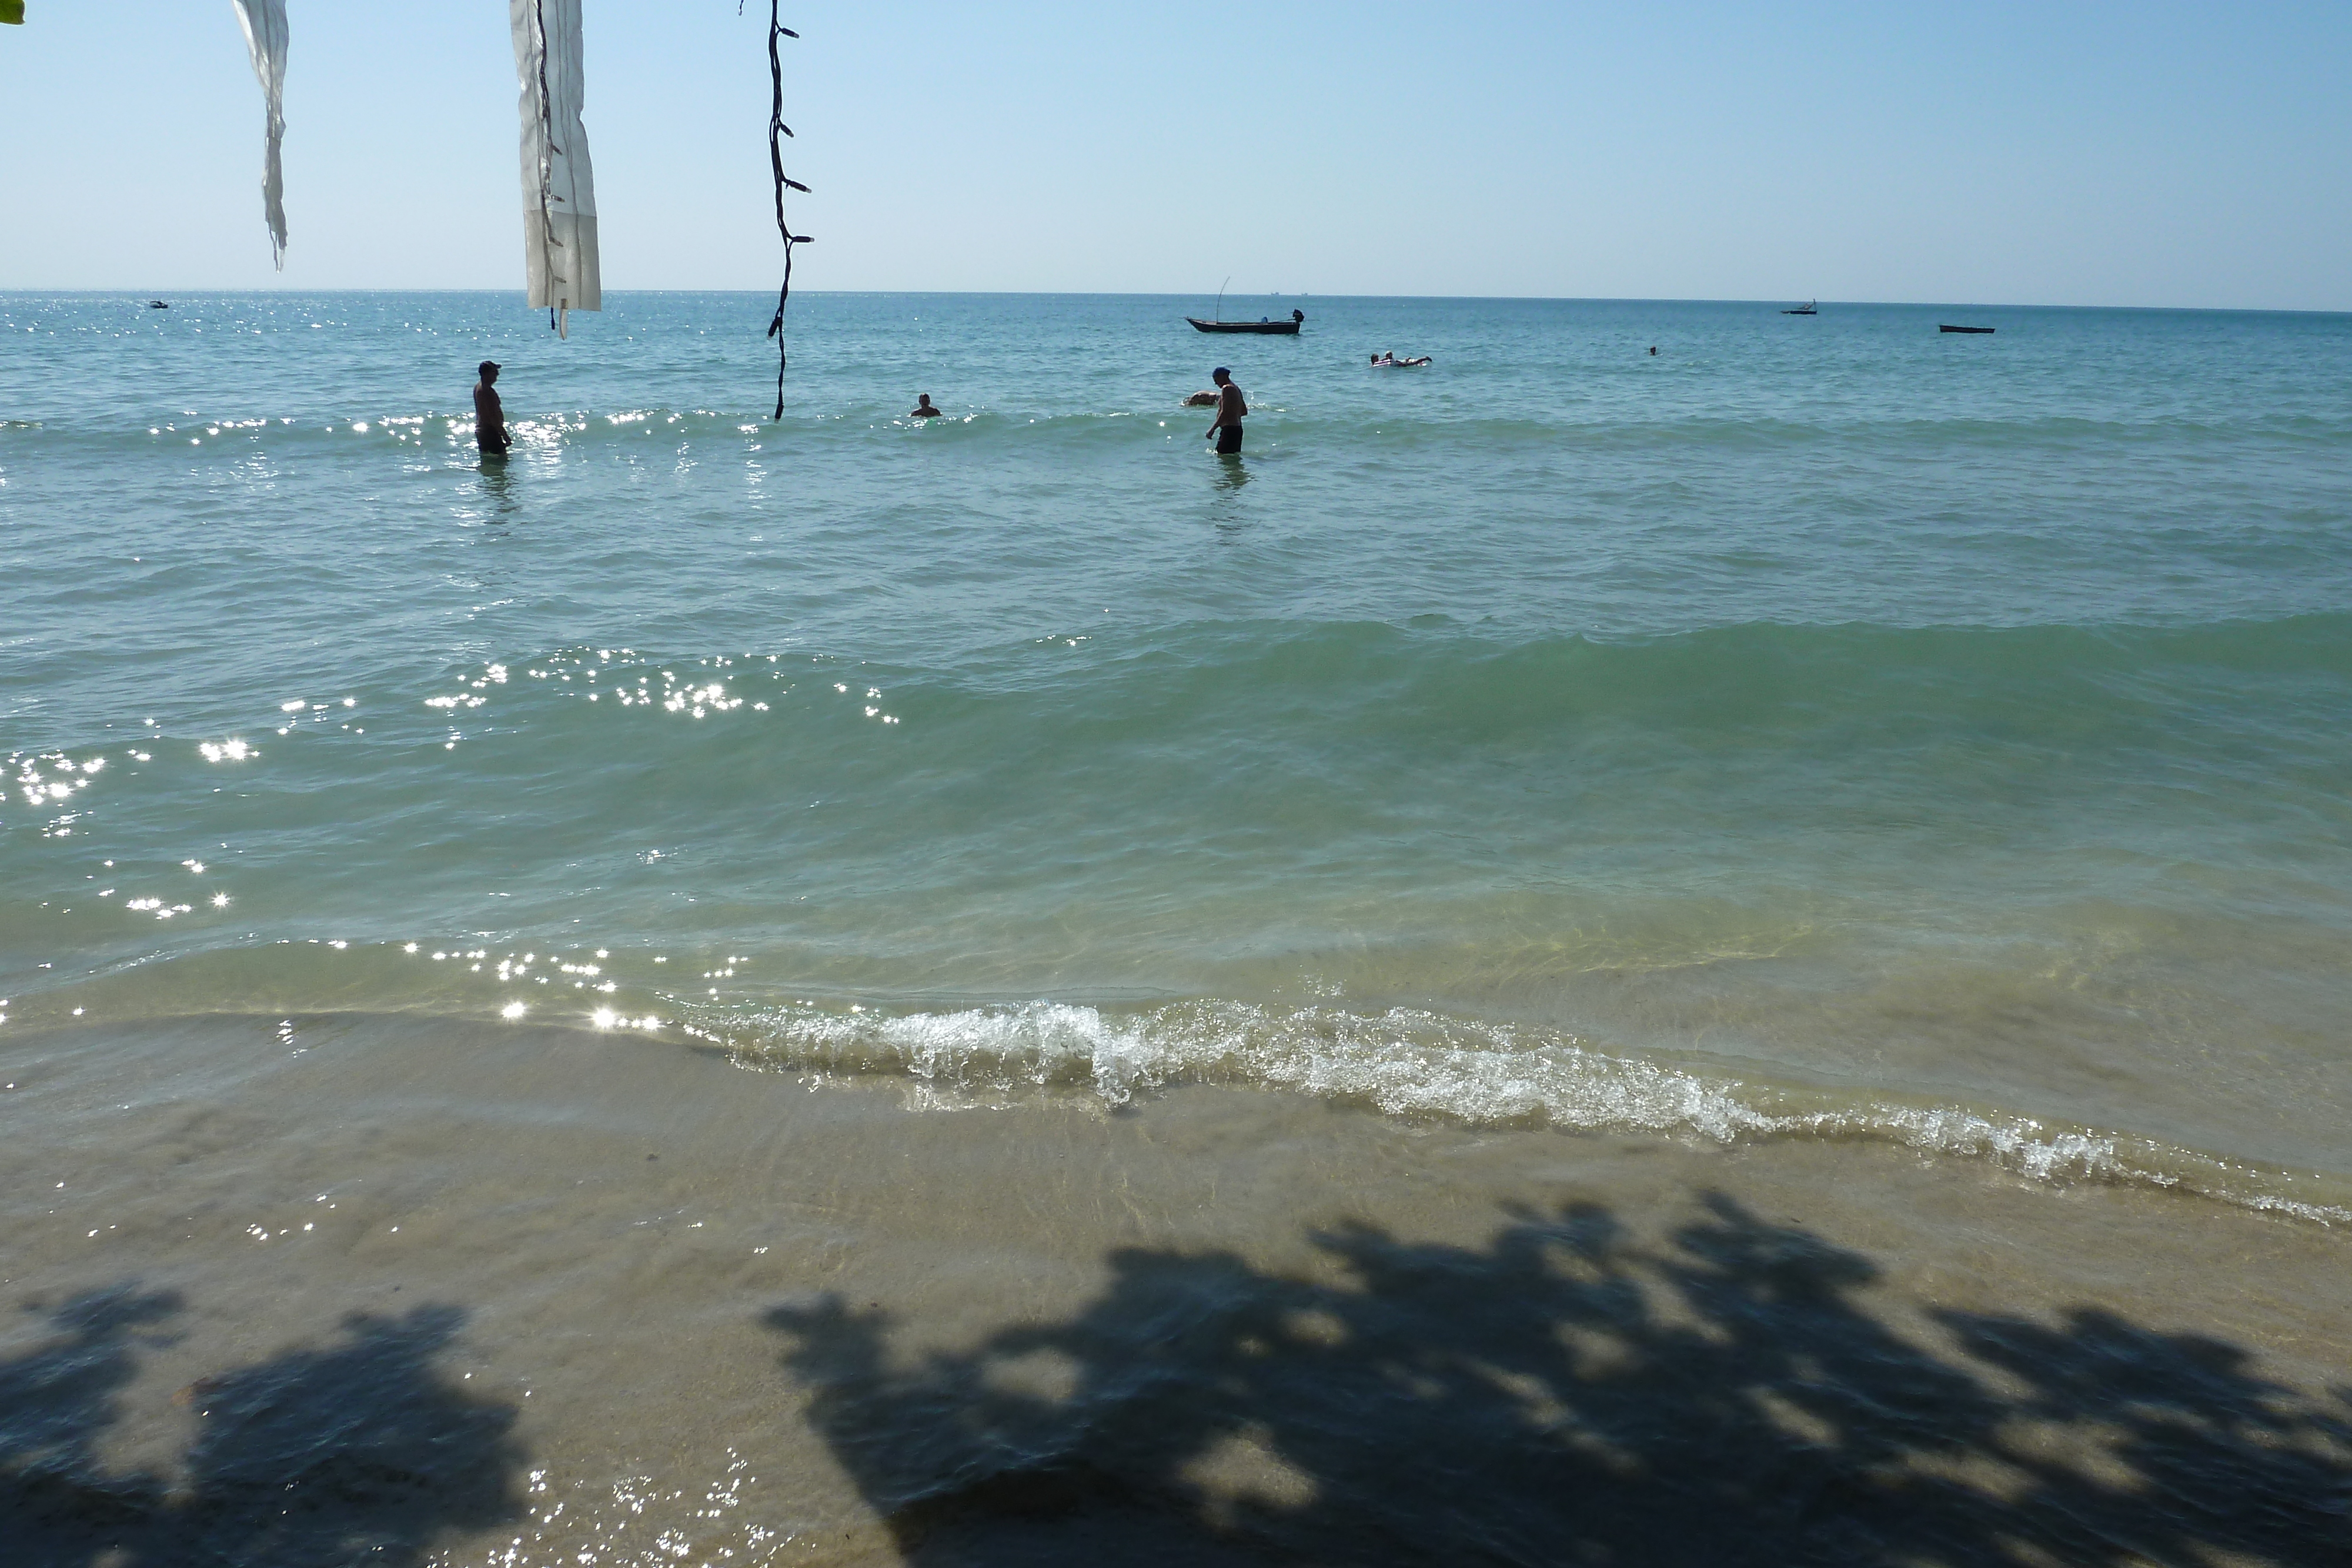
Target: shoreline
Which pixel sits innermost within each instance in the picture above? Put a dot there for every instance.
(1412, 1064)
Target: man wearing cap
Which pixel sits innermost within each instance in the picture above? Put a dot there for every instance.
(1231, 409)
(489, 417)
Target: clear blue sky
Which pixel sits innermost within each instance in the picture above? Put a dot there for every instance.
(2071, 153)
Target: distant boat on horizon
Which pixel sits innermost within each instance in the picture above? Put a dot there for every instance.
(1811, 307)
(1948, 329)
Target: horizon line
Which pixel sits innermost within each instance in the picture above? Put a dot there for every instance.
(1128, 293)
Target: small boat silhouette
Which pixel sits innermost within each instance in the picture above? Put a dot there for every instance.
(1948, 329)
(158, 305)
(1286, 329)
(1219, 324)
(1811, 307)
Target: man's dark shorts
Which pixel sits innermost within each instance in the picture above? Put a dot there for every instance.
(1229, 440)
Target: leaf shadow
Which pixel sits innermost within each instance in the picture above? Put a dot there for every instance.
(358, 1449)
(1566, 1394)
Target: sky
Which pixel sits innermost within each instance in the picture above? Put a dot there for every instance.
(2089, 153)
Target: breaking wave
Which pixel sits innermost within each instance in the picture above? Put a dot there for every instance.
(1420, 1065)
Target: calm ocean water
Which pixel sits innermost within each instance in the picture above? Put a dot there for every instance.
(1824, 728)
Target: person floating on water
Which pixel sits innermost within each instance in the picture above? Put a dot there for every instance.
(924, 408)
(1231, 410)
(1653, 349)
(1386, 361)
(490, 414)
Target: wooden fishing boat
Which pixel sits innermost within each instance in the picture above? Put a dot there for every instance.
(1280, 328)
(1811, 308)
(1964, 328)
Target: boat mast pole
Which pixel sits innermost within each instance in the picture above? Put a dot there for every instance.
(1219, 314)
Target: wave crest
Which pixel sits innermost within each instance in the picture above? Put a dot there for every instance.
(1420, 1065)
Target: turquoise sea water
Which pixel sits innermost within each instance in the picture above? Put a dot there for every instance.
(1824, 728)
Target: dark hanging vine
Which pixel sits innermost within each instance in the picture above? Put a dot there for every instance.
(777, 131)
(549, 244)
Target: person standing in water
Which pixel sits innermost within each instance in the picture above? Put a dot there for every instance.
(1231, 410)
(490, 414)
(925, 408)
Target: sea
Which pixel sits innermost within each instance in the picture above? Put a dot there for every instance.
(1043, 994)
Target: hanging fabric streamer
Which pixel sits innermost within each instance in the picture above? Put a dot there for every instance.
(777, 131)
(559, 196)
(264, 22)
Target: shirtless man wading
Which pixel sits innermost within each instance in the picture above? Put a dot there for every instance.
(1231, 409)
(490, 416)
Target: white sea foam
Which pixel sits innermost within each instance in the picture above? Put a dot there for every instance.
(1411, 1064)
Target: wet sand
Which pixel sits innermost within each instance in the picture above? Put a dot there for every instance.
(319, 1289)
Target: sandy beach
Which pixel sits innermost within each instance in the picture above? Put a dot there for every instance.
(309, 1289)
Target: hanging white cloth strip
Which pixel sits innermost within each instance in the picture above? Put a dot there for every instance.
(264, 22)
(559, 196)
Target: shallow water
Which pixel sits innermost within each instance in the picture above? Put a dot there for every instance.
(1877, 756)
(1851, 720)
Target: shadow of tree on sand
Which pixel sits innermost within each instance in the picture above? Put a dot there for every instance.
(1566, 1395)
(359, 1450)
